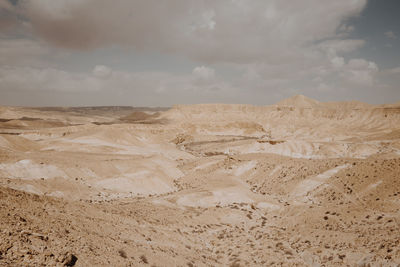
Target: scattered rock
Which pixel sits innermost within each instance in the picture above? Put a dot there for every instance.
(69, 259)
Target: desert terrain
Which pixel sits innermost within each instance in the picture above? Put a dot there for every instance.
(298, 183)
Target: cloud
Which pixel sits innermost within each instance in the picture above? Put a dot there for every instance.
(245, 51)
(23, 52)
(8, 16)
(209, 31)
(390, 35)
(361, 64)
(103, 78)
(101, 71)
(46, 79)
(360, 71)
(204, 73)
(393, 70)
(333, 47)
(337, 62)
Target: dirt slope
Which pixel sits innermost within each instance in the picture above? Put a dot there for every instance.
(299, 183)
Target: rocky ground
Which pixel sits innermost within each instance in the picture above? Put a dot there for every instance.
(300, 183)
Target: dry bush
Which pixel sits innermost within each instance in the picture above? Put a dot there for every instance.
(144, 259)
(122, 253)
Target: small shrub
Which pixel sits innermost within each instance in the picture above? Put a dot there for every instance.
(122, 253)
(144, 259)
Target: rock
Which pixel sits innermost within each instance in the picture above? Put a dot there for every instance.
(70, 260)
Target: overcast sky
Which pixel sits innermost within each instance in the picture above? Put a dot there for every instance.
(160, 53)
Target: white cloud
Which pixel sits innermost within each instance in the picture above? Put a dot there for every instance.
(204, 22)
(101, 71)
(361, 64)
(333, 47)
(337, 62)
(204, 73)
(361, 71)
(390, 35)
(345, 29)
(103, 78)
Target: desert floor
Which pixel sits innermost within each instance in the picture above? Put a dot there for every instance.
(298, 183)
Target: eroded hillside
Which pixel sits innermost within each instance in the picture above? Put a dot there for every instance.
(296, 183)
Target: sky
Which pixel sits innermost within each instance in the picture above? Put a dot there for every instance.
(161, 53)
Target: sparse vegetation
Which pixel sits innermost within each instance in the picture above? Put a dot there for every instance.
(209, 189)
(122, 253)
(144, 259)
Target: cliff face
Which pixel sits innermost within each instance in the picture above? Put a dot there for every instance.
(303, 114)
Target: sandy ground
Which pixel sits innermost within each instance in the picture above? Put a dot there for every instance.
(299, 183)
